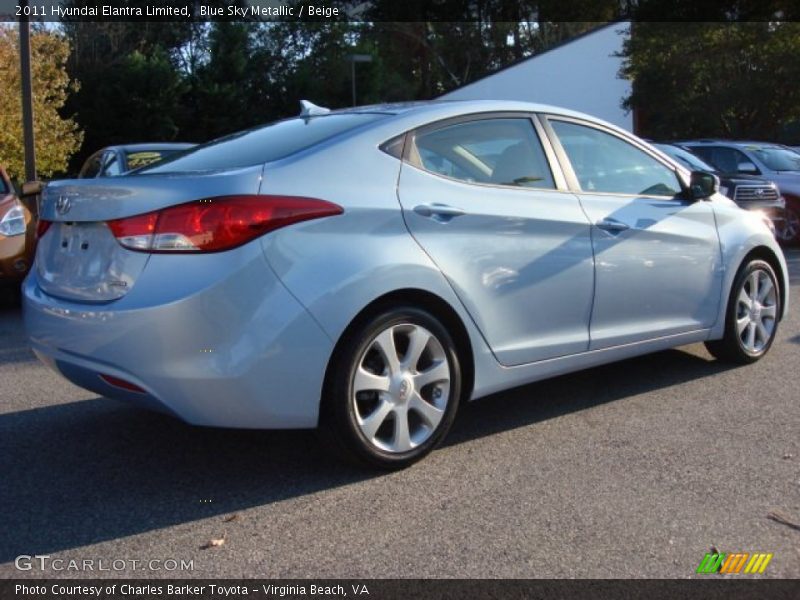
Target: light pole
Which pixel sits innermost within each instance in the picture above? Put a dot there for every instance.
(27, 94)
(354, 58)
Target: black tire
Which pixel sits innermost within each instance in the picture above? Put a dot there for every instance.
(789, 231)
(343, 413)
(733, 347)
(10, 295)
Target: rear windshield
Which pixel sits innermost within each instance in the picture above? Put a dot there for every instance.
(142, 158)
(262, 144)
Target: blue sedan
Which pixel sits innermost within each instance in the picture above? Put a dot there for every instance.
(365, 271)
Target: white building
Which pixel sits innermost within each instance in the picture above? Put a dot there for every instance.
(581, 74)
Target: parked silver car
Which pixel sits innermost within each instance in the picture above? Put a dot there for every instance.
(367, 270)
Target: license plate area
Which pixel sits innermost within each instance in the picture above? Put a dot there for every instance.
(74, 240)
(83, 261)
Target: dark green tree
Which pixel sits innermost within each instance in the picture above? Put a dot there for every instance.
(714, 79)
(134, 100)
(219, 94)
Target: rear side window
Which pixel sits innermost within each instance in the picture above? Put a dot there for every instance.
(499, 151)
(3, 186)
(263, 144)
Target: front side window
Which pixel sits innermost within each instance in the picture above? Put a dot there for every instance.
(489, 151)
(606, 163)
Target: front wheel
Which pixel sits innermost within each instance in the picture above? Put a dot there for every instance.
(393, 390)
(751, 320)
(788, 231)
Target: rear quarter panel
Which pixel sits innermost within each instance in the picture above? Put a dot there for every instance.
(337, 266)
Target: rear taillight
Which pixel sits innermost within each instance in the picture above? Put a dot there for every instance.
(216, 224)
(41, 227)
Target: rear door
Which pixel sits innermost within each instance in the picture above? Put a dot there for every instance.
(481, 198)
(657, 255)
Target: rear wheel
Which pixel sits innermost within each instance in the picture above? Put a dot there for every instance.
(393, 390)
(751, 320)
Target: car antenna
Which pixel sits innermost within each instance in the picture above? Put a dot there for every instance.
(309, 109)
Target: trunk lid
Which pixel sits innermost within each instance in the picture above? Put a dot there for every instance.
(79, 259)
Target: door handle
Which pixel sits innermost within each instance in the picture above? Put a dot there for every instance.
(612, 225)
(439, 212)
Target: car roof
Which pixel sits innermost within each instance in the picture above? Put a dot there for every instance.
(463, 107)
(413, 114)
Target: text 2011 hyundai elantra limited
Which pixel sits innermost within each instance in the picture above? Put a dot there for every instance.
(367, 270)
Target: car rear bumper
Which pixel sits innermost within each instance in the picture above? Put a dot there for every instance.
(231, 350)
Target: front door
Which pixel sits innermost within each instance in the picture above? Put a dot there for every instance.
(658, 263)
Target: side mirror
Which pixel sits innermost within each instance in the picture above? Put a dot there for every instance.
(702, 185)
(32, 188)
(747, 167)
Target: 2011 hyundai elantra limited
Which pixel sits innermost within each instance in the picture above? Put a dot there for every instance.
(367, 270)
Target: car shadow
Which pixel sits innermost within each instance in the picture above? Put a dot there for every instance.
(578, 391)
(9, 299)
(14, 347)
(84, 472)
(93, 470)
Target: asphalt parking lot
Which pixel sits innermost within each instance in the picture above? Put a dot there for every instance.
(635, 469)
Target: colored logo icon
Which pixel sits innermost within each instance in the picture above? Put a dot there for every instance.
(736, 563)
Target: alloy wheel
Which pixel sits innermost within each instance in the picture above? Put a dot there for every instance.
(401, 388)
(756, 311)
(790, 227)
